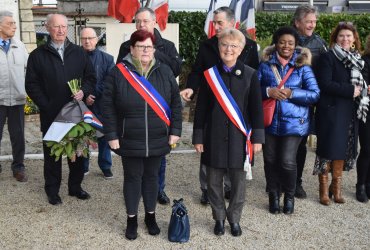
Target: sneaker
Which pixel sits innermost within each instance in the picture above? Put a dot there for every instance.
(162, 198)
(300, 193)
(107, 174)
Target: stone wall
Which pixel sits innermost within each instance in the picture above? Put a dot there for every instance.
(26, 25)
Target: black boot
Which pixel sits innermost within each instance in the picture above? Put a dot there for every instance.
(151, 224)
(131, 230)
(274, 200)
(288, 204)
(219, 228)
(361, 194)
(204, 199)
(367, 187)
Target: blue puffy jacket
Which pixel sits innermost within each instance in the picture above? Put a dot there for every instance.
(291, 116)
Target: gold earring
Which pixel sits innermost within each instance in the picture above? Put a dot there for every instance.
(353, 46)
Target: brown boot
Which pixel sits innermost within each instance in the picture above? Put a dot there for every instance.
(336, 185)
(324, 189)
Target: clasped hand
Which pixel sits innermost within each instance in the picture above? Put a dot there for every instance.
(279, 94)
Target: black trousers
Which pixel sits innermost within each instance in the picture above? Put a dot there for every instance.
(140, 179)
(301, 159)
(279, 155)
(363, 160)
(53, 173)
(216, 193)
(15, 116)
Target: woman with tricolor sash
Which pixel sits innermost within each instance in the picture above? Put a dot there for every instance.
(286, 77)
(142, 119)
(228, 128)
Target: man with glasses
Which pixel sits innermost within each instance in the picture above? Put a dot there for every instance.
(13, 61)
(208, 56)
(165, 52)
(49, 68)
(304, 20)
(102, 63)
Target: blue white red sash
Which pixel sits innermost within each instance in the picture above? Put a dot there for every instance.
(232, 111)
(145, 89)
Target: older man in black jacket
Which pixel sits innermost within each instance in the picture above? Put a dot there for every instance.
(165, 52)
(49, 69)
(208, 56)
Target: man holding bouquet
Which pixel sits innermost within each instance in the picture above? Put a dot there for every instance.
(49, 69)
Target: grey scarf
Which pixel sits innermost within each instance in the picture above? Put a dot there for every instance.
(354, 62)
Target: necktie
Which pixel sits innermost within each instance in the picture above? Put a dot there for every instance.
(60, 51)
(5, 46)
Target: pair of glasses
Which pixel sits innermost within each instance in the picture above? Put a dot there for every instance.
(87, 38)
(144, 47)
(231, 46)
(345, 23)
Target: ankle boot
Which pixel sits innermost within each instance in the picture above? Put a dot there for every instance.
(324, 189)
(131, 230)
(274, 200)
(336, 185)
(151, 224)
(288, 204)
(360, 193)
(367, 188)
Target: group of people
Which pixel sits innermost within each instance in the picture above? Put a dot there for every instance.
(316, 89)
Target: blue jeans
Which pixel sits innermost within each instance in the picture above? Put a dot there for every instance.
(162, 175)
(104, 156)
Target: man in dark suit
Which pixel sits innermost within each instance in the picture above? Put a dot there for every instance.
(49, 69)
(165, 52)
(208, 56)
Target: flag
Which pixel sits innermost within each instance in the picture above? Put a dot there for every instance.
(123, 10)
(244, 16)
(160, 8)
(209, 28)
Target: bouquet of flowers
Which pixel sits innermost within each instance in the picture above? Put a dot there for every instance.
(73, 130)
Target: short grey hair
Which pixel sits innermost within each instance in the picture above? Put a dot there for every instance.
(302, 11)
(230, 15)
(143, 9)
(5, 13)
(49, 17)
(89, 28)
(233, 34)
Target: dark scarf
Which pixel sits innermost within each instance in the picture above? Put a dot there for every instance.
(354, 62)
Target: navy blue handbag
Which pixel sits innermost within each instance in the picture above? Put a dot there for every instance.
(179, 228)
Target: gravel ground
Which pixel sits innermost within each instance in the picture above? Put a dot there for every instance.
(27, 221)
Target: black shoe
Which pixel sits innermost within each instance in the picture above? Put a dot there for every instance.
(288, 204)
(82, 195)
(55, 200)
(107, 174)
(361, 193)
(219, 228)
(131, 229)
(235, 229)
(151, 224)
(227, 194)
(300, 193)
(204, 199)
(274, 202)
(162, 198)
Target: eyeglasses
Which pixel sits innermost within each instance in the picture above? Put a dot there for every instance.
(226, 46)
(345, 23)
(11, 24)
(87, 38)
(144, 47)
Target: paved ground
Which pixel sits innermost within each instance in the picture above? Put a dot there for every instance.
(27, 221)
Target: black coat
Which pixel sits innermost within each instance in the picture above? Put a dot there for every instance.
(165, 52)
(127, 117)
(224, 144)
(335, 109)
(209, 56)
(47, 76)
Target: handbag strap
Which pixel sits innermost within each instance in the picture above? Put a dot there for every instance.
(278, 77)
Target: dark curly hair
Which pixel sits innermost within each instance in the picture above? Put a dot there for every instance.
(286, 30)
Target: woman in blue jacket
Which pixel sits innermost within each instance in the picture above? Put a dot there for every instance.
(291, 116)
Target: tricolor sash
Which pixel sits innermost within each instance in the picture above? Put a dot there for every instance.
(232, 111)
(92, 120)
(145, 89)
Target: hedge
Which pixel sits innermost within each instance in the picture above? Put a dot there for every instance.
(192, 24)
